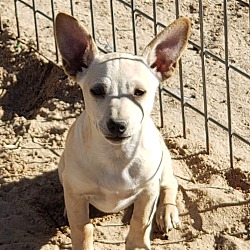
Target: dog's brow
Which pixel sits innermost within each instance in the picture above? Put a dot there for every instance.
(126, 58)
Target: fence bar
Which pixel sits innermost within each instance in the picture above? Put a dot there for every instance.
(17, 20)
(203, 70)
(177, 9)
(1, 25)
(35, 22)
(228, 85)
(160, 85)
(92, 18)
(113, 25)
(53, 18)
(155, 17)
(72, 7)
(133, 24)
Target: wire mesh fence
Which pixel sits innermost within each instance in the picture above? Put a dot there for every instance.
(213, 81)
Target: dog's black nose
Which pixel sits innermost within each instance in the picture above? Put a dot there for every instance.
(116, 128)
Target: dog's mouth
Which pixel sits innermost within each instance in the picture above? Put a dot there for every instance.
(117, 139)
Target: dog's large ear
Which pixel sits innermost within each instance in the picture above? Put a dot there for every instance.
(163, 52)
(75, 44)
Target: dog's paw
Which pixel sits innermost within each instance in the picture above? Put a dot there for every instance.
(167, 217)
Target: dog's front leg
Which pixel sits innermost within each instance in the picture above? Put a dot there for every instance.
(141, 221)
(167, 216)
(78, 215)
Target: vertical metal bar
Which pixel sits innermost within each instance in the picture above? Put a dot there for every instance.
(92, 19)
(1, 27)
(182, 101)
(228, 85)
(203, 70)
(160, 85)
(155, 17)
(249, 15)
(72, 7)
(17, 20)
(133, 24)
(35, 22)
(177, 6)
(53, 18)
(113, 25)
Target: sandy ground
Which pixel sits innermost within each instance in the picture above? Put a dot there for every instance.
(39, 103)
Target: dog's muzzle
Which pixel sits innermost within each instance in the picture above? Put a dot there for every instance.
(117, 131)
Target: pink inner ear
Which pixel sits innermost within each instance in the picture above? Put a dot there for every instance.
(173, 43)
(161, 64)
(166, 57)
(168, 51)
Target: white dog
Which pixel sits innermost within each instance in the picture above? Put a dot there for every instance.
(114, 155)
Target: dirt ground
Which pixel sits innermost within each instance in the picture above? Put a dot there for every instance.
(38, 103)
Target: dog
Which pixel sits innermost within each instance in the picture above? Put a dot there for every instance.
(114, 155)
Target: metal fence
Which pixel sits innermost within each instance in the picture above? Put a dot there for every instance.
(134, 15)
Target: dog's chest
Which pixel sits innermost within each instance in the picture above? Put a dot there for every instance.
(116, 189)
(112, 201)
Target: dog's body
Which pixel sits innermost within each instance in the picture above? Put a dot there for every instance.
(114, 155)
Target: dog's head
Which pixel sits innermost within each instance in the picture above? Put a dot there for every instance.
(118, 88)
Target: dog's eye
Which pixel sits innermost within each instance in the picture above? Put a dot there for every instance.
(139, 92)
(98, 91)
